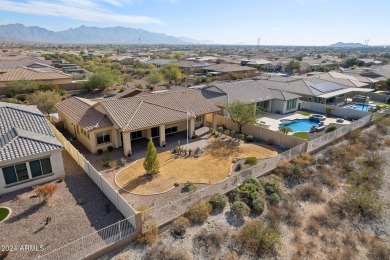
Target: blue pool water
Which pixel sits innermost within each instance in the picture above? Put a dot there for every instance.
(360, 107)
(299, 125)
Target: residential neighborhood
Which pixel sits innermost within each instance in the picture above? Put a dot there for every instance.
(175, 130)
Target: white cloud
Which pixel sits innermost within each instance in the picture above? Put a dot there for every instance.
(85, 10)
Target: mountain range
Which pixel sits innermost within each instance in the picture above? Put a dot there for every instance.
(90, 35)
(347, 45)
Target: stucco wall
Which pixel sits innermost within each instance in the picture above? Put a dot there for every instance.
(337, 111)
(56, 164)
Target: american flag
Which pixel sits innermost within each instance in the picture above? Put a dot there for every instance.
(190, 113)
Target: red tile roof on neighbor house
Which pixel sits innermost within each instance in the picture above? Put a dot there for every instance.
(138, 112)
(7, 75)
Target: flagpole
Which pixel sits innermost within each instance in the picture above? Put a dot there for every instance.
(187, 126)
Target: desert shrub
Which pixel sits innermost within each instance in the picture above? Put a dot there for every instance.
(257, 238)
(110, 148)
(106, 158)
(113, 164)
(367, 203)
(355, 149)
(274, 182)
(269, 189)
(209, 242)
(99, 151)
(312, 227)
(302, 159)
(144, 212)
(251, 160)
(218, 201)
(233, 133)
(247, 192)
(198, 212)
(325, 177)
(239, 210)
(258, 205)
(339, 154)
(239, 136)
(238, 167)
(249, 138)
(290, 214)
(349, 240)
(354, 135)
(180, 225)
(220, 129)
(330, 129)
(378, 250)
(386, 141)
(366, 177)
(231, 255)
(46, 191)
(309, 193)
(164, 251)
(149, 233)
(274, 216)
(374, 160)
(370, 139)
(326, 220)
(274, 199)
(189, 187)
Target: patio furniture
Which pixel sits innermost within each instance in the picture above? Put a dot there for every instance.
(321, 128)
(313, 129)
(340, 120)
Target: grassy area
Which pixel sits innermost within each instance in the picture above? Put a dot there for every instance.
(384, 105)
(304, 113)
(302, 135)
(3, 213)
(211, 167)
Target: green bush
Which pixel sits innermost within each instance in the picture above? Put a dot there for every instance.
(100, 151)
(198, 212)
(233, 133)
(220, 129)
(269, 189)
(238, 167)
(258, 205)
(251, 160)
(239, 210)
(106, 158)
(367, 203)
(249, 138)
(239, 136)
(274, 199)
(218, 201)
(330, 129)
(189, 187)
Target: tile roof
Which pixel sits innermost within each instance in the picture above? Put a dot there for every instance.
(24, 131)
(81, 111)
(154, 109)
(7, 75)
(222, 67)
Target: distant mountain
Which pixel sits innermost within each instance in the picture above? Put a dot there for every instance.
(192, 41)
(88, 35)
(347, 45)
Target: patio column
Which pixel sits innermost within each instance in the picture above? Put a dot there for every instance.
(119, 138)
(148, 133)
(215, 120)
(162, 135)
(191, 127)
(126, 143)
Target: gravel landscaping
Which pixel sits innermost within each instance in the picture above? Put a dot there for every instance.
(78, 209)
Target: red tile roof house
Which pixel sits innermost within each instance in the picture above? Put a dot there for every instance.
(29, 152)
(98, 124)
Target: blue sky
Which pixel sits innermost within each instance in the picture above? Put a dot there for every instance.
(283, 22)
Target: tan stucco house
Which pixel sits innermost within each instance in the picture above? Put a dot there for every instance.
(101, 123)
(29, 152)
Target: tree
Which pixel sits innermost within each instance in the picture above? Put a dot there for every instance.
(151, 163)
(44, 100)
(241, 114)
(103, 79)
(151, 66)
(178, 56)
(328, 110)
(20, 87)
(171, 71)
(351, 62)
(293, 65)
(154, 78)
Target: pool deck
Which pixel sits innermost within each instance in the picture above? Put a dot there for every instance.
(273, 120)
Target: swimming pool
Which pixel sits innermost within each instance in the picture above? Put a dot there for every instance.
(360, 107)
(299, 125)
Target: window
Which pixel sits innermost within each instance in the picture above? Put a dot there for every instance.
(155, 131)
(291, 104)
(40, 167)
(15, 173)
(136, 135)
(170, 130)
(102, 138)
(199, 118)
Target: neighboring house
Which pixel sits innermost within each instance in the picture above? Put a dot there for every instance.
(123, 60)
(308, 65)
(194, 66)
(276, 66)
(255, 63)
(228, 68)
(159, 62)
(369, 62)
(250, 92)
(51, 76)
(29, 152)
(118, 122)
(12, 61)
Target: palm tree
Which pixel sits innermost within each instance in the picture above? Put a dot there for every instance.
(285, 130)
(328, 110)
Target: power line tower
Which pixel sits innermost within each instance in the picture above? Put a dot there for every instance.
(258, 43)
(366, 45)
